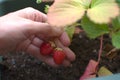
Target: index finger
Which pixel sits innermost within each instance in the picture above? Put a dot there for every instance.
(32, 14)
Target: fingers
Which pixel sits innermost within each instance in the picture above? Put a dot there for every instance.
(34, 51)
(69, 53)
(37, 42)
(35, 21)
(43, 29)
(65, 39)
(32, 14)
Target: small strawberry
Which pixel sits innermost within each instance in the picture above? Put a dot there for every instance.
(58, 56)
(46, 48)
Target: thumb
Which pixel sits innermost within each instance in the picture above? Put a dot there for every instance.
(44, 29)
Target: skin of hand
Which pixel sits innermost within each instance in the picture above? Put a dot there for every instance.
(26, 29)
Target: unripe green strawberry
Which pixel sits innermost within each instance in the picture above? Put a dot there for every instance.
(58, 56)
(46, 48)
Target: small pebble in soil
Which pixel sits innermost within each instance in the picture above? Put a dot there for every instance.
(28, 71)
(14, 66)
(28, 60)
(80, 36)
(22, 66)
(13, 61)
(94, 51)
(38, 62)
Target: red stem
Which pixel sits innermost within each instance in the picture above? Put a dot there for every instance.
(100, 50)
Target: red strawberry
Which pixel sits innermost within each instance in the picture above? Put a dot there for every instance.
(46, 48)
(58, 56)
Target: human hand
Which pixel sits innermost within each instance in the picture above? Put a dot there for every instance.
(26, 29)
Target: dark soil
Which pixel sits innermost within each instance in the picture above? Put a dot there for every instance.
(24, 67)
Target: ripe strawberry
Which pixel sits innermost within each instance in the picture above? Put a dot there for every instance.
(46, 48)
(58, 56)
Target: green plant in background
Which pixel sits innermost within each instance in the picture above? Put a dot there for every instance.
(96, 17)
(46, 8)
(38, 1)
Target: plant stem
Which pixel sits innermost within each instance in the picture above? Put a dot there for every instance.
(47, 0)
(76, 24)
(101, 47)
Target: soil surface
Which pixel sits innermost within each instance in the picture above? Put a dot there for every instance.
(21, 66)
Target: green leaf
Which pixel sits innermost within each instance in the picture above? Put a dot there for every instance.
(38, 1)
(103, 71)
(93, 30)
(116, 23)
(118, 1)
(102, 11)
(85, 3)
(116, 39)
(66, 12)
(70, 31)
(46, 8)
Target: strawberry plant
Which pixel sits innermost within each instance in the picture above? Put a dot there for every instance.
(96, 17)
